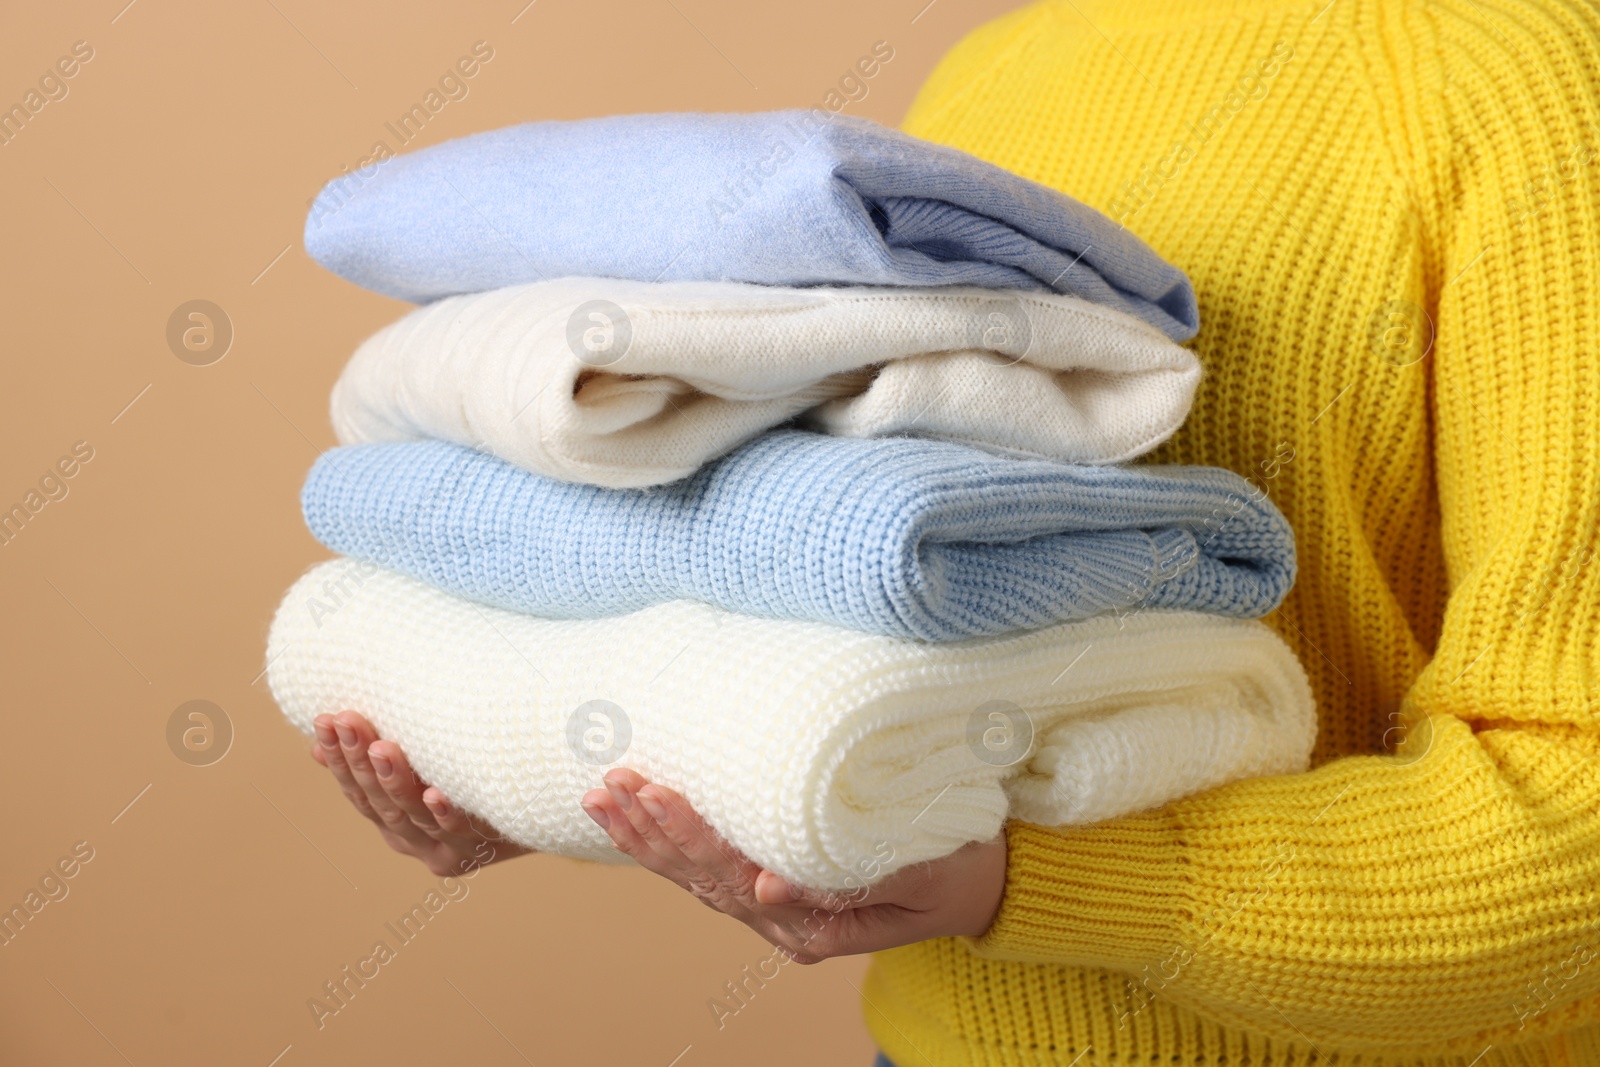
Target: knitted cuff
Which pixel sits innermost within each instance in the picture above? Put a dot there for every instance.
(1109, 895)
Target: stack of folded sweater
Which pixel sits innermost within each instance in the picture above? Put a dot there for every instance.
(774, 457)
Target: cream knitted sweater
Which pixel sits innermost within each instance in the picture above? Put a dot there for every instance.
(624, 383)
(812, 749)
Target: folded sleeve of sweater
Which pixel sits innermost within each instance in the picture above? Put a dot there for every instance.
(1445, 895)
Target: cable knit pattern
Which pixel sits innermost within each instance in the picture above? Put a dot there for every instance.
(782, 198)
(831, 757)
(899, 537)
(632, 383)
(1391, 213)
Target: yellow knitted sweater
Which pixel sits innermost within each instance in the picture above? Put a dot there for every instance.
(1391, 213)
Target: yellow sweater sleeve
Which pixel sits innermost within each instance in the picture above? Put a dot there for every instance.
(1448, 895)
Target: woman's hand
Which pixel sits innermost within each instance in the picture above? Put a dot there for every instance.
(414, 817)
(656, 827)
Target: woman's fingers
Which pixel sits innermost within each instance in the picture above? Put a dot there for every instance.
(670, 831)
(355, 736)
(330, 753)
(662, 833)
(414, 818)
(774, 889)
(695, 840)
(401, 785)
(450, 818)
(632, 829)
(332, 757)
(470, 836)
(958, 894)
(648, 847)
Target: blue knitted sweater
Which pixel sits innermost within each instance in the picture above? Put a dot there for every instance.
(898, 536)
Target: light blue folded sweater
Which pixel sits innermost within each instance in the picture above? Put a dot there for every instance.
(898, 536)
(781, 198)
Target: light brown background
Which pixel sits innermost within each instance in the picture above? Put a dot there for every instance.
(178, 167)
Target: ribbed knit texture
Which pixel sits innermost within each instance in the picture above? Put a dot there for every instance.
(779, 198)
(1398, 163)
(814, 750)
(636, 383)
(899, 537)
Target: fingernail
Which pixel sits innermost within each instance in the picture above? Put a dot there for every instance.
(380, 764)
(657, 810)
(598, 815)
(771, 889)
(347, 736)
(325, 735)
(623, 798)
(438, 805)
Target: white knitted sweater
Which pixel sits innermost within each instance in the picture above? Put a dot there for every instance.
(624, 383)
(816, 751)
